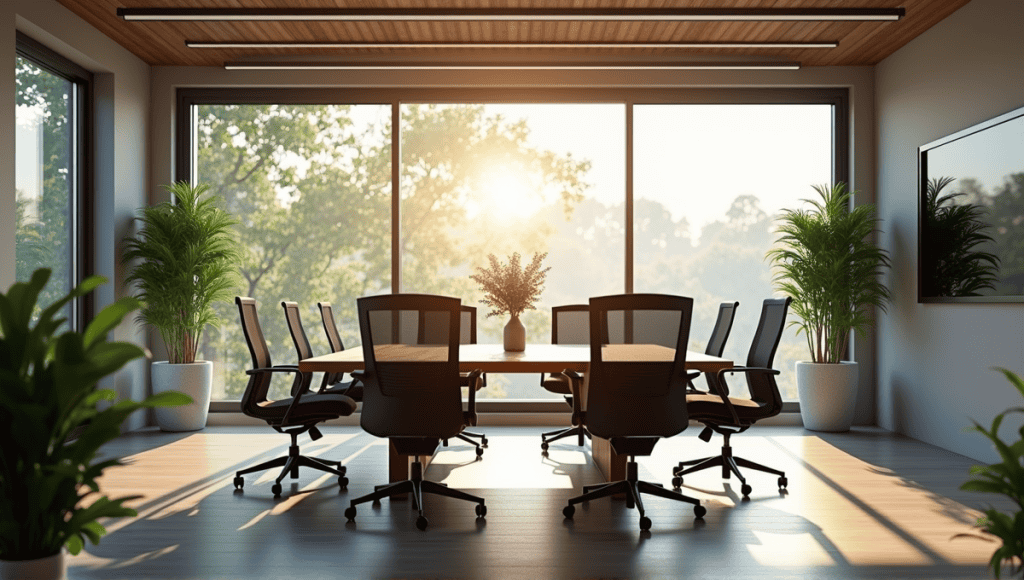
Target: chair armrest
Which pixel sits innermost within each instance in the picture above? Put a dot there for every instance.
(576, 386)
(357, 376)
(725, 389)
(274, 369)
(298, 378)
(473, 377)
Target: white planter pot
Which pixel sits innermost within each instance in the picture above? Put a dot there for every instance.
(193, 379)
(828, 394)
(49, 568)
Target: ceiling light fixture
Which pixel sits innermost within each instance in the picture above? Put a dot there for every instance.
(516, 14)
(485, 66)
(344, 45)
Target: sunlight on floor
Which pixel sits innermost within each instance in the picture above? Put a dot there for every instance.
(510, 462)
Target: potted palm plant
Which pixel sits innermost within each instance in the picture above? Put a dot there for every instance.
(825, 261)
(183, 259)
(51, 427)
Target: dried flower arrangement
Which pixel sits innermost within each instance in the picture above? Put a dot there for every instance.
(508, 287)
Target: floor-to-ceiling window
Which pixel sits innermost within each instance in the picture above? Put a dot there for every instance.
(709, 181)
(50, 169)
(310, 188)
(480, 179)
(328, 212)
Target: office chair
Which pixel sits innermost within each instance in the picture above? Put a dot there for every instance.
(411, 391)
(634, 403)
(570, 324)
(727, 415)
(433, 330)
(334, 382)
(295, 415)
(719, 335)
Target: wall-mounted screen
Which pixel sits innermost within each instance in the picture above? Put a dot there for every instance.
(971, 214)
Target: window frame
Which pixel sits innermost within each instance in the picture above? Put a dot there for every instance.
(188, 98)
(81, 170)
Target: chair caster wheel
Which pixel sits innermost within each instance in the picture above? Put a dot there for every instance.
(239, 482)
(544, 445)
(481, 510)
(421, 523)
(699, 511)
(341, 468)
(783, 482)
(276, 489)
(483, 442)
(745, 490)
(677, 482)
(645, 523)
(568, 511)
(479, 451)
(343, 482)
(376, 503)
(350, 514)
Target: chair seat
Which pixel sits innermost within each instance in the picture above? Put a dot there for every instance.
(355, 393)
(703, 406)
(312, 407)
(558, 384)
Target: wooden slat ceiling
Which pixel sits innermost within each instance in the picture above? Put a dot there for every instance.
(860, 43)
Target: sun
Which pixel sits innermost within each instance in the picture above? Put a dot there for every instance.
(505, 191)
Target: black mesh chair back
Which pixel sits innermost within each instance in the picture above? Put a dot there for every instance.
(259, 385)
(723, 326)
(570, 324)
(411, 389)
(333, 338)
(631, 397)
(763, 388)
(719, 336)
(434, 330)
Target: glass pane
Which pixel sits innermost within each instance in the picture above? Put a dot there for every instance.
(44, 177)
(311, 186)
(480, 179)
(708, 183)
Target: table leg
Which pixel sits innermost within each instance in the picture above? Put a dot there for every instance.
(611, 464)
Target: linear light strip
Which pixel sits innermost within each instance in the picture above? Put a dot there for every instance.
(450, 66)
(430, 14)
(343, 45)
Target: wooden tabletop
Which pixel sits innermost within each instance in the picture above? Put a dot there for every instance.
(493, 358)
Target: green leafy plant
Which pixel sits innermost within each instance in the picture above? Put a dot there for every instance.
(951, 264)
(510, 288)
(1005, 478)
(826, 263)
(186, 259)
(47, 393)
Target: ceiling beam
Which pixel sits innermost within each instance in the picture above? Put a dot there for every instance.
(484, 44)
(290, 65)
(513, 14)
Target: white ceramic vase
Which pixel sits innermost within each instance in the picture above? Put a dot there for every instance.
(49, 568)
(193, 379)
(828, 394)
(515, 335)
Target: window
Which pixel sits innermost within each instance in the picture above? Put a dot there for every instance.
(50, 169)
(481, 179)
(647, 191)
(310, 187)
(709, 181)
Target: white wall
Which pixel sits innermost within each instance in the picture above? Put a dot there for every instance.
(859, 81)
(935, 359)
(120, 144)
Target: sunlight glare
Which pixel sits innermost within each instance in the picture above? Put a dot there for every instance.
(507, 192)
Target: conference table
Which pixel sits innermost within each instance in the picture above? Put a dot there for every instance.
(537, 358)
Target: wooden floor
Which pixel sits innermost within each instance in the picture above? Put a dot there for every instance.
(865, 504)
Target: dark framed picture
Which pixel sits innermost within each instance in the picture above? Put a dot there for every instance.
(971, 214)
